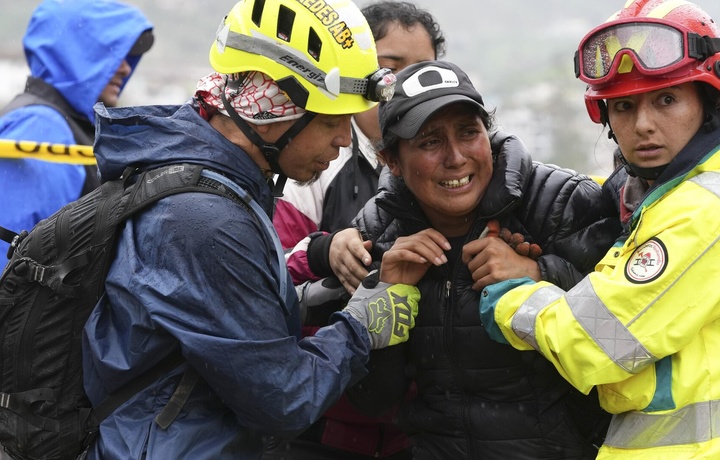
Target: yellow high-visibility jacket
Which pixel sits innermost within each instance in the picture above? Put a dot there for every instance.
(644, 327)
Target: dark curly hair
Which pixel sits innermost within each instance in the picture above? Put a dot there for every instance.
(382, 13)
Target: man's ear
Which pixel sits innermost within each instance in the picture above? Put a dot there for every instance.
(382, 156)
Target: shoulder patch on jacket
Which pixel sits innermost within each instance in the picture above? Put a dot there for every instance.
(647, 263)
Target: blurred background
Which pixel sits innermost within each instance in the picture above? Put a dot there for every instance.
(519, 54)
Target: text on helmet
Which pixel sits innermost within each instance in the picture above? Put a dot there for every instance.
(330, 18)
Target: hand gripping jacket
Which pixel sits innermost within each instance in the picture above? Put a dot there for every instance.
(477, 398)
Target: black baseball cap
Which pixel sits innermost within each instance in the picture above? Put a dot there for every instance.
(421, 90)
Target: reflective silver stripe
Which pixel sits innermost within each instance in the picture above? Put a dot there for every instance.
(709, 181)
(697, 423)
(608, 332)
(601, 325)
(612, 336)
(297, 63)
(692, 424)
(523, 322)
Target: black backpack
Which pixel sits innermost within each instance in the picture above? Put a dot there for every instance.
(53, 280)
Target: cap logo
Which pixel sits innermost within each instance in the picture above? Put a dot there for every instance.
(429, 78)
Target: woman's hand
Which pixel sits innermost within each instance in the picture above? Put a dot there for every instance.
(491, 260)
(409, 258)
(350, 257)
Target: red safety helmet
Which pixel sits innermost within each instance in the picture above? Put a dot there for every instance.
(646, 46)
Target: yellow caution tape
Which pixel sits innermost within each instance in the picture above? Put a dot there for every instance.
(57, 153)
(77, 154)
(599, 179)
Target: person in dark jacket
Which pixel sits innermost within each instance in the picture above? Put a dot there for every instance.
(404, 34)
(453, 176)
(197, 273)
(79, 52)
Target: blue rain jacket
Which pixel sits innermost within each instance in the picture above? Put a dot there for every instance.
(76, 46)
(194, 272)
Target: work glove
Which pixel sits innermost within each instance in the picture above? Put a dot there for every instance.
(387, 311)
(319, 299)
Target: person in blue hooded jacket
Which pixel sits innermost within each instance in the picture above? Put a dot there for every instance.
(79, 52)
(196, 273)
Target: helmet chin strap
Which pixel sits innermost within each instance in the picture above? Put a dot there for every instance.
(270, 150)
(633, 170)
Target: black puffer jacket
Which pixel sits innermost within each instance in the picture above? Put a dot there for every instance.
(478, 399)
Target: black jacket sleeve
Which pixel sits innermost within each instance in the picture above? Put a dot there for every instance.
(573, 221)
(385, 385)
(318, 254)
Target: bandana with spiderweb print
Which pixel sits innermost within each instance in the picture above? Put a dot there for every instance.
(258, 99)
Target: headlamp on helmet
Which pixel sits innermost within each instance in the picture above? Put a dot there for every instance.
(381, 85)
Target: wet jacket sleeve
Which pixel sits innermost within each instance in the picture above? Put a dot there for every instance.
(572, 220)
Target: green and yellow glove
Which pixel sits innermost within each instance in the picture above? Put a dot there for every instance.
(387, 311)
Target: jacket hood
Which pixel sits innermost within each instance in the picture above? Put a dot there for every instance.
(78, 45)
(159, 135)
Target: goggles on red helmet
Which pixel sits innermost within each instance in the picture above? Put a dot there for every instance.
(655, 47)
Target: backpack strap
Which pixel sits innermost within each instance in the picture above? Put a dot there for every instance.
(191, 376)
(174, 179)
(7, 235)
(116, 399)
(38, 92)
(20, 401)
(178, 399)
(278, 264)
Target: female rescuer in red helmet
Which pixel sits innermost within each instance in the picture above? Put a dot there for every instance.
(644, 327)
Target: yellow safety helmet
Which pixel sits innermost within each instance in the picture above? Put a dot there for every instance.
(321, 53)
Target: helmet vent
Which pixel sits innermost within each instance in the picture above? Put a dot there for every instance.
(314, 44)
(286, 19)
(257, 11)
